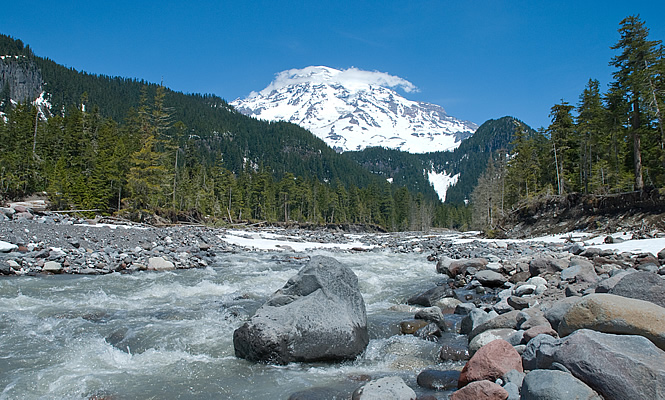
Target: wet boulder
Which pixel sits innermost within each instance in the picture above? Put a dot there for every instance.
(438, 380)
(431, 296)
(319, 315)
(390, 387)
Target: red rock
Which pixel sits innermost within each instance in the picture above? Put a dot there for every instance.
(491, 362)
(459, 267)
(537, 330)
(480, 390)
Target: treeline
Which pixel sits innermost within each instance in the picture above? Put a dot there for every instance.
(148, 163)
(609, 142)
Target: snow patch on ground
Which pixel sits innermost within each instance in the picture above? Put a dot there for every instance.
(266, 241)
(271, 241)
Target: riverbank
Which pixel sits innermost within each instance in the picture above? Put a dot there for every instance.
(485, 290)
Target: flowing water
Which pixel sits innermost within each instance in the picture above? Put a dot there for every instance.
(169, 335)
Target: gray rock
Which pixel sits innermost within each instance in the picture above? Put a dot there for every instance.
(537, 320)
(319, 315)
(53, 267)
(556, 311)
(648, 267)
(520, 303)
(5, 268)
(490, 278)
(391, 387)
(430, 297)
(476, 318)
(576, 249)
(509, 335)
(438, 380)
(615, 366)
(580, 270)
(641, 285)
(507, 320)
(513, 391)
(543, 384)
(432, 314)
(464, 308)
(525, 289)
(502, 307)
(514, 376)
(539, 352)
(605, 285)
(544, 265)
(591, 252)
(431, 332)
(455, 350)
(160, 264)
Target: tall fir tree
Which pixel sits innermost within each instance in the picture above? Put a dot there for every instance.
(636, 71)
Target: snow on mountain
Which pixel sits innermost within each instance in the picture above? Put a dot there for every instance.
(352, 109)
(441, 182)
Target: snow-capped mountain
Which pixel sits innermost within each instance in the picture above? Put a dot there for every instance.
(352, 109)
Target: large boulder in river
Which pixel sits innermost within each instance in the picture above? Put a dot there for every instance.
(319, 315)
(616, 366)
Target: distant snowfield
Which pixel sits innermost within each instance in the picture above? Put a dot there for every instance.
(271, 241)
(441, 182)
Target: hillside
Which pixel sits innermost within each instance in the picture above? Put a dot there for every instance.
(121, 145)
(282, 147)
(459, 168)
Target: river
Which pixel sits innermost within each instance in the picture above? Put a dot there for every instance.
(168, 335)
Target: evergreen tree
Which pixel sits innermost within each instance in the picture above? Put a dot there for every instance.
(561, 132)
(592, 149)
(635, 75)
(522, 176)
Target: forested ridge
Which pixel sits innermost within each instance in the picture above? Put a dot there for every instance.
(608, 143)
(122, 145)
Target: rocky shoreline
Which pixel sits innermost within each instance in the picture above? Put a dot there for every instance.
(541, 320)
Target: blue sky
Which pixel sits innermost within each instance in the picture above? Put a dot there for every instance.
(479, 59)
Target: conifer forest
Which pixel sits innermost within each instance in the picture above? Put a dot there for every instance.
(607, 143)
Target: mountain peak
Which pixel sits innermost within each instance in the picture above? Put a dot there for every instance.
(352, 109)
